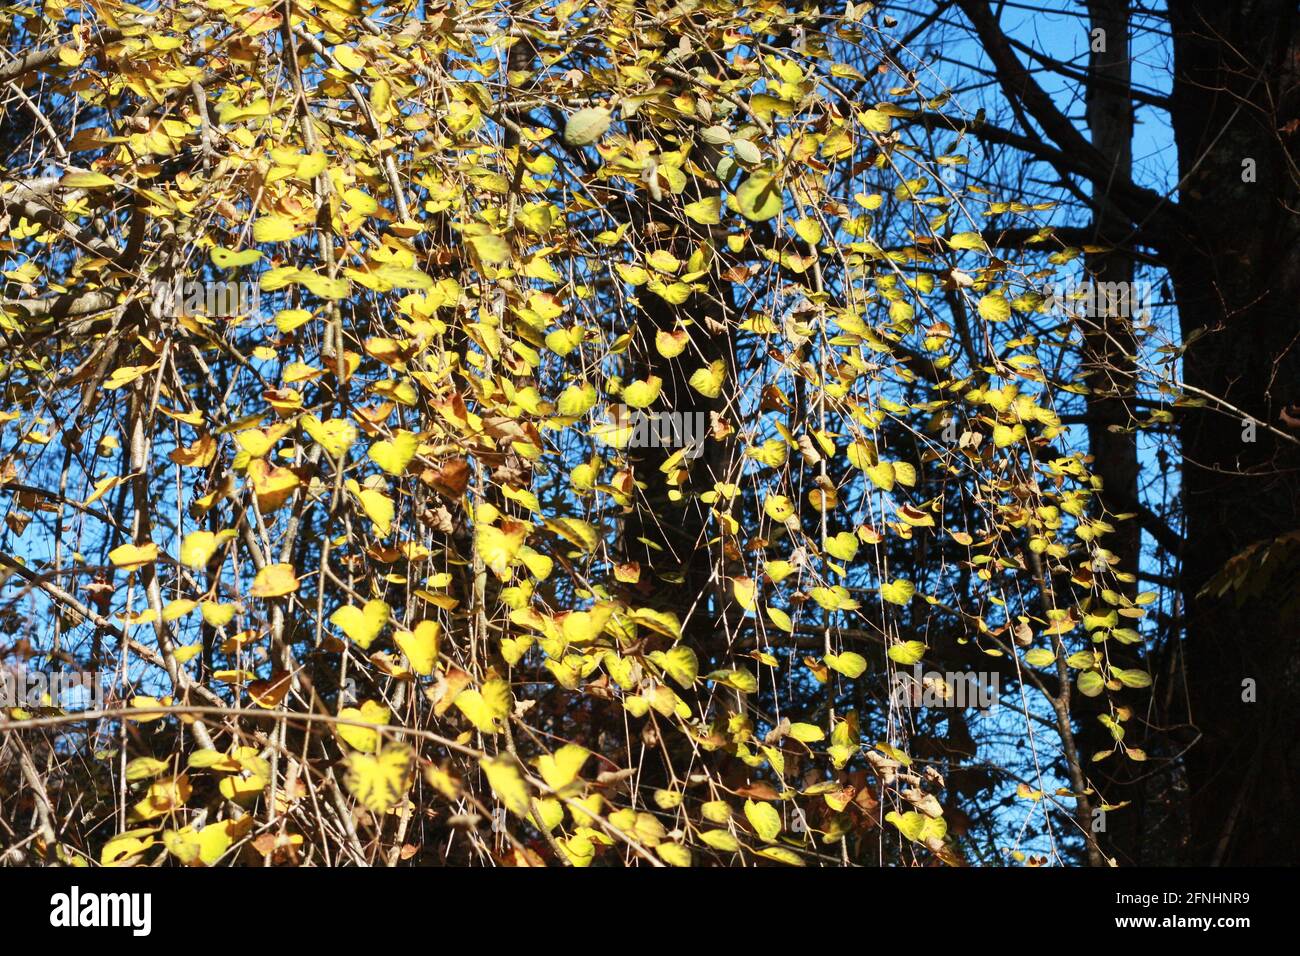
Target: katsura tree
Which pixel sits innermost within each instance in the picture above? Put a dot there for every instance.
(339, 346)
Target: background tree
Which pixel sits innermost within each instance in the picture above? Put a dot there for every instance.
(1228, 100)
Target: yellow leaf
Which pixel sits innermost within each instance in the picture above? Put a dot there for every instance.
(671, 344)
(286, 320)
(381, 782)
(224, 258)
(361, 203)
(257, 442)
(762, 816)
(142, 768)
(882, 475)
(916, 517)
(906, 653)
(420, 646)
(312, 165)
(681, 664)
(274, 580)
(243, 790)
(560, 769)
(487, 709)
(144, 716)
(661, 260)
(163, 797)
(778, 571)
(275, 229)
(898, 592)
(1004, 435)
(581, 627)
(499, 547)
(759, 197)
(183, 844)
(577, 849)
(125, 375)
(393, 456)
(994, 308)
(772, 452)
(861, 455)
(708, 381)
(716, 811)
(781, 854)
(968, 240)
(132, 556)
(564, 341)
(843, 546)
(548, 813)
(363, 738)
(849, 663)
(403, 278)
(216, 838)
(174, 610)
(834, 598)
(720, 840)
(86, 180)
(269, 693)
(743, 588)
(780, 619)
(503, 776)
(216, 615)
(706, 211)
(198, 455)
(581, 533)
(778, 507)
(674, 854)
(103, 487)
(324, 286)
(586, 126)
(661, 622)
(807, 733)
(362, 625)
(335, 436)
(643, 393)
(809, 230)
(492, 249)
(125, 847)
(349, 58)
(577, 399)
(272, 484)
(199, 547)
(378, 507)
(233, 113)
(917, 826)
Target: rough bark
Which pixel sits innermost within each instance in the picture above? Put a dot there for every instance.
(1237, 279)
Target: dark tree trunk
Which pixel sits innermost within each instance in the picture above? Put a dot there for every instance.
(1111, 365)
(1237, 281)
(670, 538)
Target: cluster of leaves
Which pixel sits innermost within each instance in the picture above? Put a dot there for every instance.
(383, 553)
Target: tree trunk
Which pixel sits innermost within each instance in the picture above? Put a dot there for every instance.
(1111, 365)
(1237, 280)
